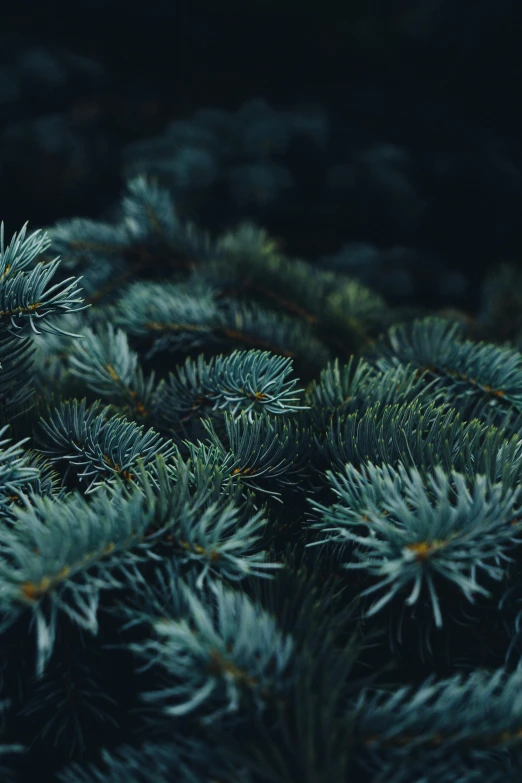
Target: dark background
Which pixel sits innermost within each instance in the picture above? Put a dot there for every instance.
(439, 78)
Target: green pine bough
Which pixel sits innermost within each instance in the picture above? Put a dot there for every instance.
(256, 526)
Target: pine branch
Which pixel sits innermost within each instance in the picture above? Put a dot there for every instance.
(411, 530)
(242, 381)
(262, 449)
(62, 553)
(105, 446)
(464, 724)
(109, 367)
(215, 650)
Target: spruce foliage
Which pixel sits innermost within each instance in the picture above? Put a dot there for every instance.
(256, 526)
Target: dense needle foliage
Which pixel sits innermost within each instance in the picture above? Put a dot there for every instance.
(257, 526)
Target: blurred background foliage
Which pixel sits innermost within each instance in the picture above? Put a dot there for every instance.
(423, 161)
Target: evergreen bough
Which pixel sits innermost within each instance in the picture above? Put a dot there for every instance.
(257, 527)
